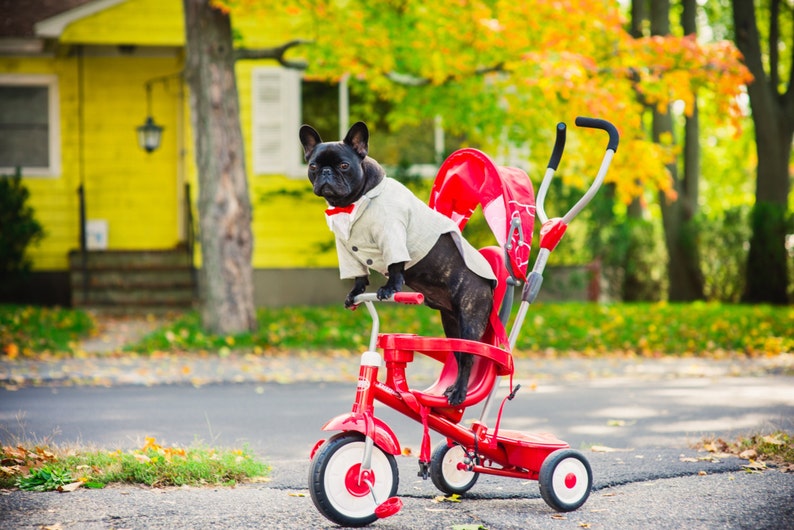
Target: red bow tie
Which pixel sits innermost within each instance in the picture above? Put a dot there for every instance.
(340, 209)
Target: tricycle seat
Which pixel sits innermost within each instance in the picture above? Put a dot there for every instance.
(489, 362)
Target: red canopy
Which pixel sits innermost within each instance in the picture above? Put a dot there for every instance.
(468, 177)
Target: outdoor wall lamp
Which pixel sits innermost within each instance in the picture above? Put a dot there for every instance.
(149, 134)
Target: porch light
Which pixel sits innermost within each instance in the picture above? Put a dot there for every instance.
(149, 134)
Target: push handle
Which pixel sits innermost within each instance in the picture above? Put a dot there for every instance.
(597, 123)
(559, 146)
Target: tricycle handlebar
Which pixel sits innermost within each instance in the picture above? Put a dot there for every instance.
(368, 298)
(400, 298)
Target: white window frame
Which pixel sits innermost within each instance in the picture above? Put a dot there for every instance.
(278, 119)
(54, 123)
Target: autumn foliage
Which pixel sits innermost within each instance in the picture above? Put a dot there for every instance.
(504, 72)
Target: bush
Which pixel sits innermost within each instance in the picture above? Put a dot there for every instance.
(724, 240)
(18, 228)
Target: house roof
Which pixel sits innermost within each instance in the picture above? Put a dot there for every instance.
(19, 18)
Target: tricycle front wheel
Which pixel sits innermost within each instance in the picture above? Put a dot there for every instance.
(565, 480)
(334, 482)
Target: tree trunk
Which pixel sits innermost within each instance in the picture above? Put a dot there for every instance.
(224, 206)
(773, 117)
(683, 265)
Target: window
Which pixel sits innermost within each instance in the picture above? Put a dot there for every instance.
(29, 125)
(282, 101)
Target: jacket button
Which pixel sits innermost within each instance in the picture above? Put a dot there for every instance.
(369, 262)
(355, 249)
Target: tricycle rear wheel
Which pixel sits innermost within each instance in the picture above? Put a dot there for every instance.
(565, 480)
(444, 470)
(333, 480)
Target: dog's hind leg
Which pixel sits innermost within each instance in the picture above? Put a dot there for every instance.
(467, 323)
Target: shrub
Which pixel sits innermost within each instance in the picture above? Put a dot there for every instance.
(18, 228)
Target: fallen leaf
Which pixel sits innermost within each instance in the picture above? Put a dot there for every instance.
(754, 467)
(452, 498)
(296, 494)
(558, 516)
(749, 454)
(66, 488)
(702, 473)
(584, 525)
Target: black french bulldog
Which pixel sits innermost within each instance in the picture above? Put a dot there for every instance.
(341, 172)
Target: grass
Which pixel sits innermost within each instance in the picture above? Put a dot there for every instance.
(591, 329)
(40, 468)
(29, 329)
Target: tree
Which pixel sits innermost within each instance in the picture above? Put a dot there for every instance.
(772, 102)
(501, 72)
(224, 206)
(683, 261)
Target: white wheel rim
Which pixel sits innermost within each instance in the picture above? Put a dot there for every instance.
(336, 471)
(570, 480)
(456, 478)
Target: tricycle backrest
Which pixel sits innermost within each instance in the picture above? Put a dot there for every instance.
(469, 178)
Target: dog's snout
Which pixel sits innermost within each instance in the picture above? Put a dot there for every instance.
(325, 180)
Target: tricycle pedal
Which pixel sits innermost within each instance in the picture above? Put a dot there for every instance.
(424, 470)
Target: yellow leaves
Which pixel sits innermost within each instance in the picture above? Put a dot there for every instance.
(11, 351)
(452, 498)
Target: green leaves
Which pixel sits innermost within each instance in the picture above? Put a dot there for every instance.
(46, 478)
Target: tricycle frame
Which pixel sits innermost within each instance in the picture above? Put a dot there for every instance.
(565, 476)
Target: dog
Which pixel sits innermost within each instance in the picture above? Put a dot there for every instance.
(381, 225)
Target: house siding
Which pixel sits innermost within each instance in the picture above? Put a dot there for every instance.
(102, 93)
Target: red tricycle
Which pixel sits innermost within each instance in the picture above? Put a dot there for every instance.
(353, 476)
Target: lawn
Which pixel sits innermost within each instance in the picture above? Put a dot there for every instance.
(591, 329)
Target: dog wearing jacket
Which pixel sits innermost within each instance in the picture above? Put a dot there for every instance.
(381, 225)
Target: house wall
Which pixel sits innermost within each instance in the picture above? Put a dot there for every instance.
(102, 101)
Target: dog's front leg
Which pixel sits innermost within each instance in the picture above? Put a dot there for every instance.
(359, 287)
(395, 282)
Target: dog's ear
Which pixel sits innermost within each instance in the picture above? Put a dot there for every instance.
(358, 138)
(309, 139)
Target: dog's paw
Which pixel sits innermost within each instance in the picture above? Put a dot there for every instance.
(386, 292)
(455, 395)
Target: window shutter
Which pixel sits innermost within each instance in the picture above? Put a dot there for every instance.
(276, 113)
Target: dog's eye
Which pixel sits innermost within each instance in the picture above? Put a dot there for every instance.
(313, 167)
(344, 165)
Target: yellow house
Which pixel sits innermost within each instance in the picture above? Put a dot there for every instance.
(77, 78)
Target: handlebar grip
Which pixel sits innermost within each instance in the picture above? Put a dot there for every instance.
(409, 298)
(559, 146)
(596, 123)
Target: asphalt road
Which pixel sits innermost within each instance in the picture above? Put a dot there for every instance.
(650, 417)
